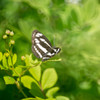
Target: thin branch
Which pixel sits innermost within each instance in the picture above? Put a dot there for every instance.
(53, 60)
(42, 89)
(29, 68)
(19, 87)
(15, 71)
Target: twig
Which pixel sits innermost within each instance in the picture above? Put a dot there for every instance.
(53, 60)
(42, 89)
(29, 68)
(19, 87)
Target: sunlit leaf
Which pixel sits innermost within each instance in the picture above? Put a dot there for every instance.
(28, 60)
(51, 99)
(37, 98)
(49, 78)
(9, 80)
(36, 72)
(4, 61)
(29, 99)
(14, 58)
(1, 56)
(9, 61)
(50, 93)
(17, 71)
(22, 66)
(1, 67)
(62, 98)
(27, 81)
(85, 85)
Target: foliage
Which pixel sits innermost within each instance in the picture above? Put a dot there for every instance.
(35, 81)
(72, 25)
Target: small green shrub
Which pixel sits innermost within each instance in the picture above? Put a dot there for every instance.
(41, 86)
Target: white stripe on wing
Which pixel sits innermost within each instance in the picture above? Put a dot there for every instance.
(37, 41)
(37, 52)
(50, 54)
(38, 34)
(46, 58)
(42, 48)
(43, 40)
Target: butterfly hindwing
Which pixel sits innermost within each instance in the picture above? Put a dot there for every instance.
(41, 46)
(34, 50)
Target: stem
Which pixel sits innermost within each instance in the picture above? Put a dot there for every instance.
(42, 89)
(18, 83)
(53, 60)
(19, 87)
(15, 71)
(23, 93)
(6, 44)
(29, 68)
(8, 73)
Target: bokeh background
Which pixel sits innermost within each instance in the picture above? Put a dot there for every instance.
(72, 25)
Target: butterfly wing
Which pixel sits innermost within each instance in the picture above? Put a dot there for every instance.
(41, 46)
(48, 55)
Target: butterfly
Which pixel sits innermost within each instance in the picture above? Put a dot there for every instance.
(41, 46)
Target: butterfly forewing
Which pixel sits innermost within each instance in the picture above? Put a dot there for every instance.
(41, 46)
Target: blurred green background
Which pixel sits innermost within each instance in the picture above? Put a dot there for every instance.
(72, 25)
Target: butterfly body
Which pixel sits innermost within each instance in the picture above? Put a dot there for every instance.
(41, 46)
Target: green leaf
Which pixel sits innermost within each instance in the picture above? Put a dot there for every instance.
(4, 61)
(62, 98)
(85, 85)
(24, 24)
(9, 61)
(22, 66)
(50, 99)
(28, 60)
(27, 81)
(74, 15)
(1, 56)
(14, 58)
(42, 6)
(98, 87)
(2, 84)
(89, 9)
(17, 69)
(36, 72)
(1, 67)
(50, 93)
(37, 98)
(9, 80)
(36, 91)
(49, 78)
(29, 99)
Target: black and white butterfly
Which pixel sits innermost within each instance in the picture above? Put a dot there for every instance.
(41, 46)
